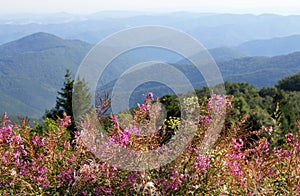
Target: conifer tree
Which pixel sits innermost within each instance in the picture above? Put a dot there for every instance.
(78, 91)
(81, 98)
(65, 95)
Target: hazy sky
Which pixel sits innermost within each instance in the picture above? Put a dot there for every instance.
(90, 6)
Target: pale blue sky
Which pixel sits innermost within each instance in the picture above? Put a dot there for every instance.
(89, 6)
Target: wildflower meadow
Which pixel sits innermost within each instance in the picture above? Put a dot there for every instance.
(45, 160)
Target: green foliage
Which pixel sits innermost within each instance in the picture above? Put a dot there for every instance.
(266, 107)
(78, 92)
(269, 106)
(171, 104)
(290, 83)
(81, 98)
(63, 100)
(260, 71)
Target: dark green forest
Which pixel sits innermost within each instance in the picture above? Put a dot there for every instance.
(277, 106)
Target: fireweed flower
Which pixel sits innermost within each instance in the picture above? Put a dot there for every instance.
(298, 189)
(115, 118)
(42, 143)
(46, 184)
(202, 163)
(286, 153)
(217, 103)
(17, 154)
(67, 175)
(264, 129)
(289, 137)
(148, 97)
(144, 107)
(41, 170)
(35, 139)
(263, 147)
(206, 120)
(234, 159)
(66, 121)
(237, 144)
(270, 130)
(67, 145)
(131, 178)
(18, 139)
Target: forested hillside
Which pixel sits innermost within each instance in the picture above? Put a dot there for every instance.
(32, 69)
(269, 106)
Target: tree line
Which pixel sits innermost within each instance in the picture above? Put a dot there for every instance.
(277, 106)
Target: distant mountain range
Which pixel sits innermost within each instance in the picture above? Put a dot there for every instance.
(271, 47)
(213, 30)
(258, 71)
(32, 68)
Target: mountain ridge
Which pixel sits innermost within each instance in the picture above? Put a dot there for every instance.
(30, 77)
(32, 70)
(213, 30)
(271, 47)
